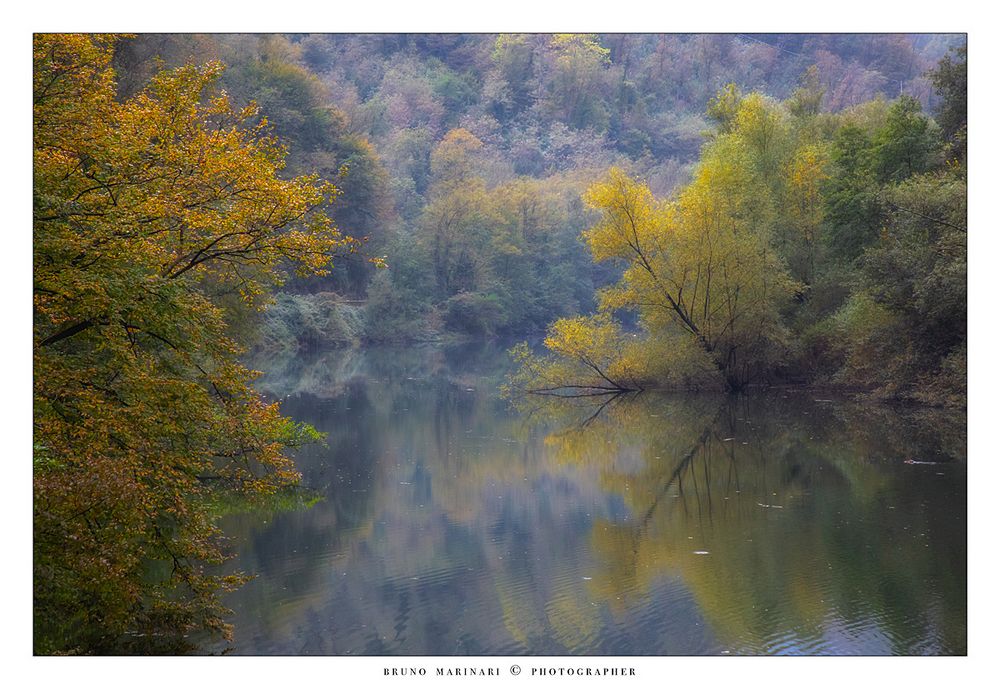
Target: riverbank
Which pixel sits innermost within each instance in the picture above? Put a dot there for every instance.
(311, 323)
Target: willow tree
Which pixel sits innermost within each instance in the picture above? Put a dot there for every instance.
(149, 214)
(700, 270)
(701, 266)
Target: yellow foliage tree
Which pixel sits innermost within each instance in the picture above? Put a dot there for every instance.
(701, 265)
(805, 173)
(458, 215)
(707, 271)
(148, 214)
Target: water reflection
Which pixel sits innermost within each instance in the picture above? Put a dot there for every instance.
(455, 524)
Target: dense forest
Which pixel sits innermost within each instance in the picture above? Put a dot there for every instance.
(463, 158)
(670, 211)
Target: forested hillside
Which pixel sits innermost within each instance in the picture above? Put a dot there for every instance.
(808, 247)
(463, 158)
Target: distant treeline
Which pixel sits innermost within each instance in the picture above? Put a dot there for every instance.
(463, 157)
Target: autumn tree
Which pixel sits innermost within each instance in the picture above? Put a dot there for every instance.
(149, 214)
(455, 221)
(800, 231)
(700, 265)
(702, 271)
(577, 81)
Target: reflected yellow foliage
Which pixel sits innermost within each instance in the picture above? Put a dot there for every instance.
(713, 497)
(764, 521)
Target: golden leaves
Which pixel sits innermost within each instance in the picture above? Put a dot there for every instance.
(700, 270)
(148, 214)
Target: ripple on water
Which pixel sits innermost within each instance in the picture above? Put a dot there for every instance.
(662, 525)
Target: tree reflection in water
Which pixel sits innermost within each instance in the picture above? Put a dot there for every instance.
(455, 523)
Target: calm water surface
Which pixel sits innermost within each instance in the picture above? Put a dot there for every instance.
(452, 523)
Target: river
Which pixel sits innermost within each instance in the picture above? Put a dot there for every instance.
(452, 522)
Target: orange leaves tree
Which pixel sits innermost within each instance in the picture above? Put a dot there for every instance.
(155, 220)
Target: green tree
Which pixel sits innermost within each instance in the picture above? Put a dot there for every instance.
(905, 144)
(905, 328)
(852, 210)
(950, 80)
